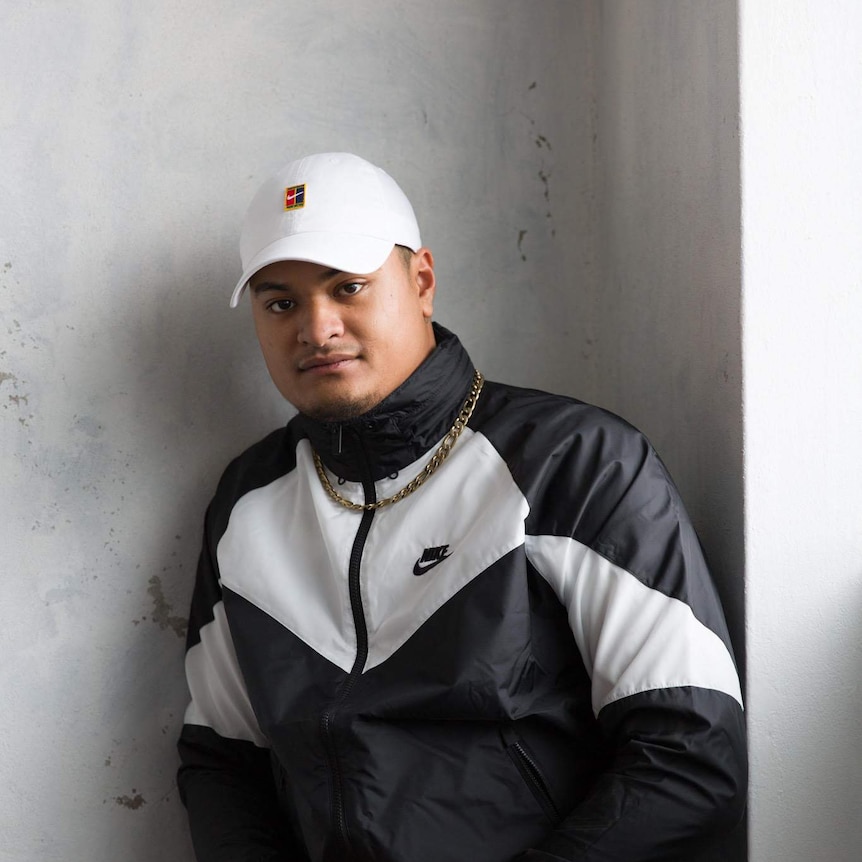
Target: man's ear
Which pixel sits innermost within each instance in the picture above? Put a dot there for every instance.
(422, 271)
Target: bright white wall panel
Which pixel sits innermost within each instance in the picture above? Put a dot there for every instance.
(801, 75)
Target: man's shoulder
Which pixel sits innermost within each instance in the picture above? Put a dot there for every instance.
(582, 469)
(263, 462)
(522, 411)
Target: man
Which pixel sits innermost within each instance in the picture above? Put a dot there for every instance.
(438, 618)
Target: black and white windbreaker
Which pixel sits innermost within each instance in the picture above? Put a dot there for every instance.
(525, 659)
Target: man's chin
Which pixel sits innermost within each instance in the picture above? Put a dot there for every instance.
(340, 410)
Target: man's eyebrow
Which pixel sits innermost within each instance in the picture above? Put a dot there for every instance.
(265, 286)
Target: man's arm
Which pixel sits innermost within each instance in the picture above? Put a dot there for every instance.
(225, 779)
(676, 779)
(650, 629)
(227, 788)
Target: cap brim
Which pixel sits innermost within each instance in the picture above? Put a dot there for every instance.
(344, 252)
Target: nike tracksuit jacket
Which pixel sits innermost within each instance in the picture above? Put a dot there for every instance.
(525, 659)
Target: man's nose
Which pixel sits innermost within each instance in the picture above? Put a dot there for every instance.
(320, 321)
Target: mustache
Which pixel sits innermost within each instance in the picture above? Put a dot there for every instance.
(326, 357)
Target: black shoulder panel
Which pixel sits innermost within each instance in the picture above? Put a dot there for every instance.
(590, 476)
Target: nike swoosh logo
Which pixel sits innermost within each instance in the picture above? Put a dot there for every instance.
(420, 569)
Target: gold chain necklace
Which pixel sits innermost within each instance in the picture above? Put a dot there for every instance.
(437, 458)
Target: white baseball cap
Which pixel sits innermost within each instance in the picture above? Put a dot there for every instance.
(334, 209)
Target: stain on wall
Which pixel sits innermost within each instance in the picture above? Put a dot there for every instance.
(133, 803)
(162, 614)
(543, 172)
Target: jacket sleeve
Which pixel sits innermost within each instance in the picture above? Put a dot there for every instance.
(665, 690)
(225, 778)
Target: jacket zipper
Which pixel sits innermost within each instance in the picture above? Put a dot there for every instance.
(533, 776)
(354, 584)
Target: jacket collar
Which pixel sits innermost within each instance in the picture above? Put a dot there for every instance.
(402, 427)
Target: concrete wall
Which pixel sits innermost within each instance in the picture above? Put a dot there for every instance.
(801, 76)
(133, 136)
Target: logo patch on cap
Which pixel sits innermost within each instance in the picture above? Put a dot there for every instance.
(294, 197)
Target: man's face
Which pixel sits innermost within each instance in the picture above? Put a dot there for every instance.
(336, 343)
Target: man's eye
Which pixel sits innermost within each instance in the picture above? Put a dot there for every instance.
(279, 306)
(351, 288)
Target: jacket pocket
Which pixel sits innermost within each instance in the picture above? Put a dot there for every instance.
(531, 773)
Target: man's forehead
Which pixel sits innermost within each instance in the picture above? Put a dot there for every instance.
(286, 272)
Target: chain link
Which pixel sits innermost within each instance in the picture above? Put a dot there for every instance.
(437, 458)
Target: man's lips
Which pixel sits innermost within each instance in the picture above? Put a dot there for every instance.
(326, 362)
